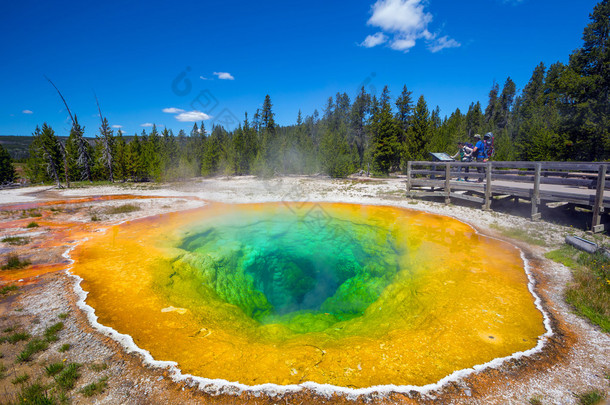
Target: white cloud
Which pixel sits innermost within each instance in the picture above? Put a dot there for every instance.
(192, 116)
(27, 112)
(117, 126)
(172, 110)
(407, 21)
(203, 78)
(403, 44)
(224, 75)
(442, 43)
(404, 16)
(374, 40)
(146, 124)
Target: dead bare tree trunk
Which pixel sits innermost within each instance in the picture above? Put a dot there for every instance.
(83, 154)
(107, 142)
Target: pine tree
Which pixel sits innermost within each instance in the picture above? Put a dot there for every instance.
(420, 131)
(385, 144)
(404, 104)
(506, 103)
(213, 152)
(268, 159)
(475, 120)
(587, 89)
(120, 153)
(151, 151)
(335, 152)
(7, 170)
(71, 148)
(46, 147)
(84, 150)
(359, 138)
(492, 111)
(134, 157)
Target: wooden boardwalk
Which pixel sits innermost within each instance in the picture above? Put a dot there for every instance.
(581, 184)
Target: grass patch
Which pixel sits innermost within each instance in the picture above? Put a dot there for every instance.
(7, 289)
(535, 401)
(122, 209)
(32, 225)
(15, 337)
(3, 369)
(34, 346)
(31, 213)
(532, 238)
(9, 329)
(54, 368)
(95, 388)
(13, 262)
(50, 333)
(590, 397)
(16, 240)
(589, 293)
(98, 366)
(64, 348)
(95, 218)
(68, 376)
(63, 315)
(35, 394)
(20, 379)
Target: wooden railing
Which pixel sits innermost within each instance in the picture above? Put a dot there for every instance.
(581, 184)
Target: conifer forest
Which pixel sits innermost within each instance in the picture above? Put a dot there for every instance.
(562, 113)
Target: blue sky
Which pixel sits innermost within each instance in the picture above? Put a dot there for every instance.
(170, 63)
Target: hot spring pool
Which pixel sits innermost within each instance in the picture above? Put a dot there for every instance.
(348, 295)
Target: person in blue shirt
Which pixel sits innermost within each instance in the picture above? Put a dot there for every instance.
(478, 153)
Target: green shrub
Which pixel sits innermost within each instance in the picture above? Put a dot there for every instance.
(122, 209)
(68, 376)
(35, 394)
(20, 379)
(16, 240)
(13, 262)
(34, 346)
(50, 333)
(17, 337)
(8, 288)
(589, 293)
(94, 388)
(54, 368)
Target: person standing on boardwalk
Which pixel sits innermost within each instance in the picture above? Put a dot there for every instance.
(464, 154)
(478, 153)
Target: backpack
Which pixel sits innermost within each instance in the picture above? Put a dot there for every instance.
(489, 145)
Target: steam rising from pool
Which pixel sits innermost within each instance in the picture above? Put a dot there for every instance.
(354, 296)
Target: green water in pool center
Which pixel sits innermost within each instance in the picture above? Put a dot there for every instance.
(297, 271)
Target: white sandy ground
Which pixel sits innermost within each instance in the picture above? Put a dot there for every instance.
(587, 360)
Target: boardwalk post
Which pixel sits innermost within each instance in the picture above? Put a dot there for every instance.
(536, 193)
(447, 184)
(488, 194)
(408, 178)
(598, 208)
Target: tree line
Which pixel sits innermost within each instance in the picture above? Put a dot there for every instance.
(561, 114)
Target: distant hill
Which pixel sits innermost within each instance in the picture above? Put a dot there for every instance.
(19, 146)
